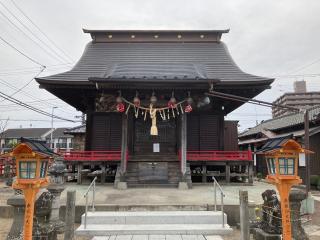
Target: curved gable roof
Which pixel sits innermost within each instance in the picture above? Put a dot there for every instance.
(146, 58)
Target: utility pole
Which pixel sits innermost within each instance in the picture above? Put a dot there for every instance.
(306, 146)
(52, 147)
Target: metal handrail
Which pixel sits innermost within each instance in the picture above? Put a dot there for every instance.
(93, 187)
(222, 195)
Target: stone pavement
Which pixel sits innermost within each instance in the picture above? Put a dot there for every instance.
(198, 195)
(158, 237)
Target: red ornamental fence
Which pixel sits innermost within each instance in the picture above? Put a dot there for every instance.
(92, 155)
(218, 155)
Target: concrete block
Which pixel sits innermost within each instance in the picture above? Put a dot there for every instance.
(122, 185)
(214, 237)
(261, 235)
(183, 186)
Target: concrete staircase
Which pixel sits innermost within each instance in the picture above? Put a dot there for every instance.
(154, 223)
(153, 170)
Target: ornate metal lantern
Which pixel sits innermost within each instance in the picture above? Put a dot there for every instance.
(282, 156)
(32, 158)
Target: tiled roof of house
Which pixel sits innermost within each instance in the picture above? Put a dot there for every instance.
(75, 130)
(286, 121)
(35, 133)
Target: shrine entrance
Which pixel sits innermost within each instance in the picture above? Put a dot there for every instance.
(163, 144)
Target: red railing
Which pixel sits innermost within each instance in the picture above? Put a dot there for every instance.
(92, 155)
(219, 156)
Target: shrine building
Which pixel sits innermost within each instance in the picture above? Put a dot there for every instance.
(148, 118)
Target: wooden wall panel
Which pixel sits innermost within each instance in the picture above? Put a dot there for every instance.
(193, 133)
(315, 158)
(204, 132)
(231, 136)
(209, 132)
(106, 132)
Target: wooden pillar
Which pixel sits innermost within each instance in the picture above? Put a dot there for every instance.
(79, 180)
(227, 172)
(204, 173)
(103, 172)
(250, 172)
(124, 143)
(183, 144)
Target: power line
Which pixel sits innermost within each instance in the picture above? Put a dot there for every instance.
(29, 120)
(39, 29)
(32, 33)
(18, 102)
(31, 39)
(41, 101)
(25, 55)
(25, 85)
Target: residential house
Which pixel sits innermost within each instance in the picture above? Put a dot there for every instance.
(288, 126)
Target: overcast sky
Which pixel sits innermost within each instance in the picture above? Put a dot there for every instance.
(267, 38)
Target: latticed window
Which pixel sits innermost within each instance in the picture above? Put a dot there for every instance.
(43, 169)
(271, 165)
(27, 169)
(286, 166)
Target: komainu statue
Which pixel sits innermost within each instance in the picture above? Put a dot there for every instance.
(271, 213)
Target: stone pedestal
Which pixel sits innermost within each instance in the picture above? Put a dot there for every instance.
(18, 204)
(262, 235)
(295, 198)
(122, 185)
(56, 190)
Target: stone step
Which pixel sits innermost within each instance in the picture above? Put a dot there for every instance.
(158, 237)
(153, 229)
(155, 217)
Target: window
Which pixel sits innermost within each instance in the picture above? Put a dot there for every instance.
(27, 169)
(271, 165)
(286, 166)
(43, 169)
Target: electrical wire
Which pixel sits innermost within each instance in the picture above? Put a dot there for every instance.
(31, 39)
(41, 101)
(19, 51)
(32, 33)
(25, 85)
(39, 29)
(18, 102)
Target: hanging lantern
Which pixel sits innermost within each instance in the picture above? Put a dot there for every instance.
(136, 101)
(153, 99)
(120, 107)
(188, 108)
(172, 102)
(189, 99)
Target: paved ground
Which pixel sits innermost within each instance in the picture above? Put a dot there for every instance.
(140, 196)
(199, 195)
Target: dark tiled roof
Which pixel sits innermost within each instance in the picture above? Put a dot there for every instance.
(274, 143)
(286, 121)
(25, 132)
(75, 130)
(38, 146)
(153, 61)
(60, 133)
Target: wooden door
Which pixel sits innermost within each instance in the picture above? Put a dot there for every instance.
(165, 142)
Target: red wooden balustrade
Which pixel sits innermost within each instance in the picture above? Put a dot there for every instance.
(218, 155)
(92, 155)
